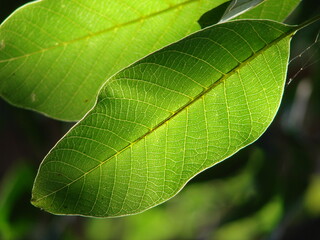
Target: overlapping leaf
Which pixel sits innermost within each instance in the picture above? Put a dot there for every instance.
(56, 54)
(271, 9)
(237, 7)
(166, 118)
(277, 10)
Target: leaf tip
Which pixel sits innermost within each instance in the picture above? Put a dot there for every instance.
(35, 201)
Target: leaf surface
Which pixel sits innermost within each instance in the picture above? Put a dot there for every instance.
(238, 7)
(166, 118)
(277, 10)
(56, 54)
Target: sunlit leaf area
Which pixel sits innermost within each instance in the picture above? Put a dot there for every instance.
(230, 187)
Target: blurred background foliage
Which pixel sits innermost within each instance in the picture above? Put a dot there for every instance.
(269, 190)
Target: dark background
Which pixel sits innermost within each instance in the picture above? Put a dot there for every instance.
(269, 190)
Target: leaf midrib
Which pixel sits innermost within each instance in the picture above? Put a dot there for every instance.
(201, 94)
(88, 36)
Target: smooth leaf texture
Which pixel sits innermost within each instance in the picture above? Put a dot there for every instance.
(277, 10)
(56, 54)
(213, 16)
(271, 9)
(166, 118)
(238, 7)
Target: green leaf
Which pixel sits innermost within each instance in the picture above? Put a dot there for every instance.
(277, 10)
(213, 16)
(237, 7)
(56, 54)
(166, 118)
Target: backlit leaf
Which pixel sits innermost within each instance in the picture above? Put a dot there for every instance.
(238, 7)
(166, 118)
(277, 10)
(56, 54)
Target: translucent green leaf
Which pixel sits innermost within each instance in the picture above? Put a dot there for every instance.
(277, 10)
(166, 118)
(213, 16)
(56, 54)
(238, 7)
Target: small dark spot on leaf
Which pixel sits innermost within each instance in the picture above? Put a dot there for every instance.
(86, 100)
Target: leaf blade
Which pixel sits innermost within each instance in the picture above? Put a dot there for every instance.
(272, 9)
(64, 43)
(238, 7)
(134, 150)
(268, 9)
